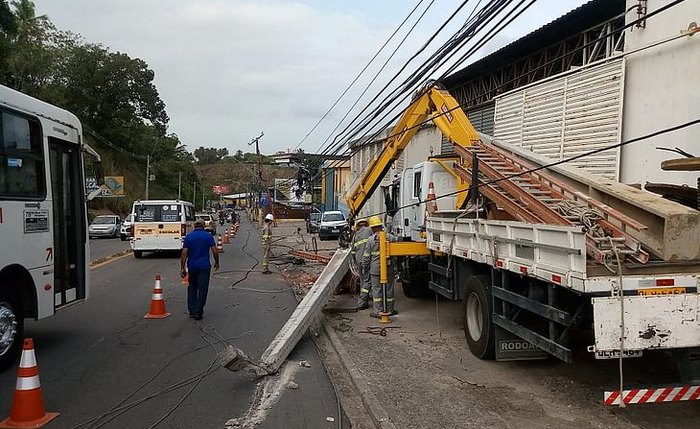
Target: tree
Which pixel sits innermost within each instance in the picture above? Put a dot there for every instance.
(209, 155)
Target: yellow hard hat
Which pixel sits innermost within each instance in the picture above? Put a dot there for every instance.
(375, 221)
(359, 221)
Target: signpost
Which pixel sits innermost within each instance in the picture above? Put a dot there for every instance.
(113, 186)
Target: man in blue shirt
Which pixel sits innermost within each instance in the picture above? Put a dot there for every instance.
(195, 257)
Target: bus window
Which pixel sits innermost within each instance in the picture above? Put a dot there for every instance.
(157, 212)
(21, 158)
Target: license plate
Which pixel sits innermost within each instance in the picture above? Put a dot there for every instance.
(661, 291)
(335, 230)
(615, 354)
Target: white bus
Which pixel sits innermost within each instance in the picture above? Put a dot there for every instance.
(44, 250)
(160, 225)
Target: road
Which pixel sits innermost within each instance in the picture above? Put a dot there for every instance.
(100, 355)
(103, 247)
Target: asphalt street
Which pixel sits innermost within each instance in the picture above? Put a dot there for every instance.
(103, 247)
(103, 365)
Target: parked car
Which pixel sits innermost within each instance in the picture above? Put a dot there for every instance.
(105, 226)
(209, 222)
(312, 222)
(125, 230)
(332, 224)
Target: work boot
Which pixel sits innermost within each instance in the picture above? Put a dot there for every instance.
(266, 271)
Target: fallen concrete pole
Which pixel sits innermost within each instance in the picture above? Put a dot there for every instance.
(292, 331)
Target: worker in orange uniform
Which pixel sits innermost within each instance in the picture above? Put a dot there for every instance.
(266, 242)
(371, 261)
(357, 245)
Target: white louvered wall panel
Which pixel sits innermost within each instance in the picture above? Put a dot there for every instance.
(575, 113)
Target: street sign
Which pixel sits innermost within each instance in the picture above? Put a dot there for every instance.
(113, 186)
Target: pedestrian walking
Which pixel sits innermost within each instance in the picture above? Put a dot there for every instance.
(266, 242)
(371, 261)
(194, 260)
(357, 246)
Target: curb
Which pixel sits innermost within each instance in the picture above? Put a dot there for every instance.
(109, 259)
(369, 400)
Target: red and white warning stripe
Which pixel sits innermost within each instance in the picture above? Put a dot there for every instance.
(649, 396)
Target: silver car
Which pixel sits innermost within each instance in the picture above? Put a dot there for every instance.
(105, 226)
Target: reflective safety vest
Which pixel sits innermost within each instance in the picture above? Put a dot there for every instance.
(359, 240)
(266, 233)
(370, 255)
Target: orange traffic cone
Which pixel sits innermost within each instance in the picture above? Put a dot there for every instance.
(227, 239)
(219, 246)
(157, 310)
(430, 204)
(28, 403)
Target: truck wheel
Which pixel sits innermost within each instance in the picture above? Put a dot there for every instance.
(11, 329)
(138, 253)
(478, 326)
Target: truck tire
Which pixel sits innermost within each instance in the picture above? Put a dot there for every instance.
(478, 326)
(11, 329)
(138, 253)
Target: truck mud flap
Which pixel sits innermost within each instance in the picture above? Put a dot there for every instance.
(511, 347)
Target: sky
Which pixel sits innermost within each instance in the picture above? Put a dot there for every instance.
(228, 70)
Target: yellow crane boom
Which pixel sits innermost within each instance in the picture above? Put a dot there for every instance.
(431, 102)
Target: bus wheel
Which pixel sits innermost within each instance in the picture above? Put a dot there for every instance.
(11, 329)
(478, 327)
(138, 253)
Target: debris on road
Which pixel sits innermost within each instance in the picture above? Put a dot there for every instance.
(305, 364)
(292, 385)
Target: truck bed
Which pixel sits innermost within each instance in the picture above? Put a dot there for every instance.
(554, 254)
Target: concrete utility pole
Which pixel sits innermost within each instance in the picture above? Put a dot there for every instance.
(148, 172)
(194, 196)
(259, 177)
(179, 184)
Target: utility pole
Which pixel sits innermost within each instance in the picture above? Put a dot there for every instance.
(194, 196)
(179, 184)
(259, 177)
(148, 172)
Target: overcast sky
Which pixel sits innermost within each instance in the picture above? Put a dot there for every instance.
(229, 69)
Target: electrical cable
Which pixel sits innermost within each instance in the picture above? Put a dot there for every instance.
(184, 397)
(377, 75)
(470, 28)
(360, 74)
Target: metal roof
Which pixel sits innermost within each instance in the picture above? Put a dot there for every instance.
(578, 20)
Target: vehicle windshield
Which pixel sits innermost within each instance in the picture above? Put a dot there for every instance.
(129, 219)
(157, 213)
(333, 217)
(315, 216)
(204, 217)
(104, 220)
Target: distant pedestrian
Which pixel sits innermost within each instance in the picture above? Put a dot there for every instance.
(357, 247)
(371, 261)
(266, 242)
(195, 261)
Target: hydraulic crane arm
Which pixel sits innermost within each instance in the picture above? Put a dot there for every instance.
(431, 102)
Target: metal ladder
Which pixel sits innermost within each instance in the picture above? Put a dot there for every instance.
(538, 197)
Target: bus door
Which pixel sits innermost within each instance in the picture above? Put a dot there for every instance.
(68, 221)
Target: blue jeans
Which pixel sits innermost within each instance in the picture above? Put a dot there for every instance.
(197, 291)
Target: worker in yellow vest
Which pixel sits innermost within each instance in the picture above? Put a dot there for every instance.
(371, 261)
(357, 246)
(266, 242)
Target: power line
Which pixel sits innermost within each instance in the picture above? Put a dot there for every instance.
(394, 77)
(376, 76)
(114, 146)
(592, 42)
(359, 74)
(470, 28)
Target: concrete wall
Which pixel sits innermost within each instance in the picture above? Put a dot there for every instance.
(662, 89)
